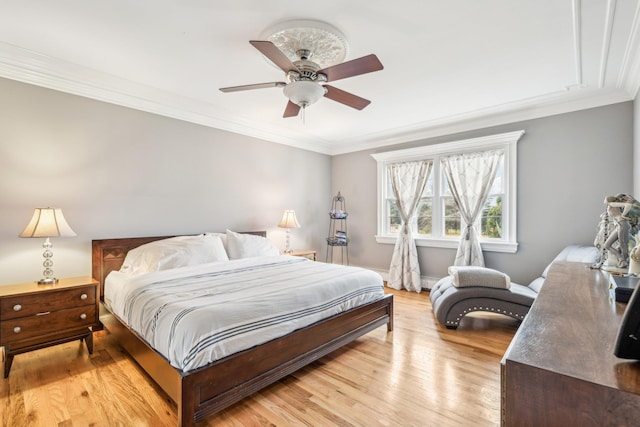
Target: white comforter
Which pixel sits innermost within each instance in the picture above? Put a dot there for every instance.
(195, 315)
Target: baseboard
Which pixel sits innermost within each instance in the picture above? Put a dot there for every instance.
(426, 282)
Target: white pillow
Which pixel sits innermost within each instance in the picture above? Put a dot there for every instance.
(249, 245)
(173, 252)
(464, 276)
(222, 237)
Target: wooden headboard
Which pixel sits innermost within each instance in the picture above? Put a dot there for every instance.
(108, 255)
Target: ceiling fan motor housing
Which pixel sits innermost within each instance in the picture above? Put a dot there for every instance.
(307, 70)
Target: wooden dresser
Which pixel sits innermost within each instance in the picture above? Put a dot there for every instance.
(35, 316)
(560, 368)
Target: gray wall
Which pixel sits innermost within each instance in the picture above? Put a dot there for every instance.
(118, 172)
(567, 164)
(636, 144)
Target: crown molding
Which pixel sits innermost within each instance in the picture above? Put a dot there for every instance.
(606, 41)
(577, 39)
(629, 76)
(34, 68)
(560, 102)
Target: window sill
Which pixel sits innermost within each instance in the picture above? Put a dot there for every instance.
(490, 246)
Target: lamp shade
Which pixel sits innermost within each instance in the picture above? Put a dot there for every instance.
(47, 222)
(289, 220)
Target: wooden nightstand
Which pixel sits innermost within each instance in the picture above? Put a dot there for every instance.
(36, 316)
(307, 253)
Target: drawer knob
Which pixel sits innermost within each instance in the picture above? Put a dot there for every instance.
(17, 307)
(83, 296)
(83, 316)
(17, 329)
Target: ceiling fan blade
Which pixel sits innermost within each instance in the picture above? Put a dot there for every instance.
(355, 67)
(275, 55)
(346, 98)
(292, 110)
(254, 86)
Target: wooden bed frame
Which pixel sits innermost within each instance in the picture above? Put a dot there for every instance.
(209, 389)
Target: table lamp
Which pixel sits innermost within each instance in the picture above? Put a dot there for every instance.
(289, 221)
(47, 222)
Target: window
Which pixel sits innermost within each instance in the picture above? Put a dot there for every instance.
(422, 222)
(437, 221)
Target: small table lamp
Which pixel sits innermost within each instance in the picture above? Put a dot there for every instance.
(289, 221)
(47, 222)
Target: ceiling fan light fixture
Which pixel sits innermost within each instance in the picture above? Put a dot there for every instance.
(306, 78)
(304, 92)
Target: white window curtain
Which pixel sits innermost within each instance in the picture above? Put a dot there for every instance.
(408, 181)
(470, 176)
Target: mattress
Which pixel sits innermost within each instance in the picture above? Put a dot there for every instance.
(198, 314)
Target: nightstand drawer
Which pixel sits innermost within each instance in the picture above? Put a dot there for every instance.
(31, 304)
(46, 323)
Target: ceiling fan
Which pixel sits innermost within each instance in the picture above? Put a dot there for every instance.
(306, 80)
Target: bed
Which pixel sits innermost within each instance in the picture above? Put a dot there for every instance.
(202, 391)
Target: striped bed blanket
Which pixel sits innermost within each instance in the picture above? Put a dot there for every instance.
(198, 314)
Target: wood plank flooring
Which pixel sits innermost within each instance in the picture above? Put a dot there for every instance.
(421, 374)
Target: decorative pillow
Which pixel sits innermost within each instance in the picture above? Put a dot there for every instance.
(479, 276)
(249, 245)
(173, 252)
(222, 237)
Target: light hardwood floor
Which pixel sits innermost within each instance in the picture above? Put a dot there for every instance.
(421, 374)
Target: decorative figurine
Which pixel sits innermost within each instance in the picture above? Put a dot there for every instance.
(617, 226)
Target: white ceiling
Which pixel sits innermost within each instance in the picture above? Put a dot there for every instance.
(449, 66)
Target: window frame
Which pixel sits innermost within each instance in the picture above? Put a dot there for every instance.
(506, 141)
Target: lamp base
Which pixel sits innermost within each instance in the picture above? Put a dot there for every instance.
(48, 281)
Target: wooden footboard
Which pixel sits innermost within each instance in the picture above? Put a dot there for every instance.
(231, 379)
